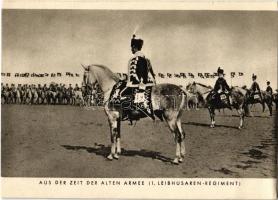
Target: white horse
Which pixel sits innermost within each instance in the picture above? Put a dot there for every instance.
(167, 102)
(192, 100)
(18, 96)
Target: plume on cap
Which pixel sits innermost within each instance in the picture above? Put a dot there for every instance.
(254, 76)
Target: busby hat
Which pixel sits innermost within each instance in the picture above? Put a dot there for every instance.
(268, 82)
(220, 71)
(136, 42)
(254, 76)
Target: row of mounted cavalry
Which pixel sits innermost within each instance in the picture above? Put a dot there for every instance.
(53, 94)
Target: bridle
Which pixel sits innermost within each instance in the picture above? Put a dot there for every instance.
(86, 79)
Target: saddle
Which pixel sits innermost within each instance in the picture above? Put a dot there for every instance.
(133, 103)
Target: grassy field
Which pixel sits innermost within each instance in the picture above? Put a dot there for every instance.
(67, 141)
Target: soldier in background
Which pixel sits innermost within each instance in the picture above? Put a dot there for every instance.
(254, 94)
(221, 86)
(268, 88)
(70, 87)
(76, 88)
(255, 86)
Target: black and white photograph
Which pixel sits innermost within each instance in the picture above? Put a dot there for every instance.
(138, 93)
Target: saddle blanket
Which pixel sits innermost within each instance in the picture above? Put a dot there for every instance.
(130, 99)
(256, 96)
(221, 99)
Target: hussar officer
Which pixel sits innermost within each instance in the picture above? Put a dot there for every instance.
(139, 67)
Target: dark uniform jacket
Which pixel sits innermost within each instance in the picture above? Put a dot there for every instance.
(269, 90)
(139, 68)
(221, 84)
(255, 87)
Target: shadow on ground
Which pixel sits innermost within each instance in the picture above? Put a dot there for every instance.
(207, 125)
(104, 151)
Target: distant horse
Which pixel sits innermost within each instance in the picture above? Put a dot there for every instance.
(78, 97)
(194, 98)
(18, 96)
(167, 103)
(2, 97)
(35, 96)
(60, 96)
(70, 96)
(23, 95)
(67, 96)
(43, 96)
(238, 97)
(29, 96)
(52, 96)
(255, 98)
(267, 99)
(275, 100)
(5, 96)
(40, 99)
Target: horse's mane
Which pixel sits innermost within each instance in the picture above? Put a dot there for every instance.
(107, 70)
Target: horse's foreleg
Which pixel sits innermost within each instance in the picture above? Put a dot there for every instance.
(270, 108)
(263, 105)
(118, 137)
(241, 115)
(197, 104)
(113, 118)
(212, 115)
(113, 132)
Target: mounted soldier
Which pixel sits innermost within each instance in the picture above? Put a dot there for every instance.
(221, 90)
(255, 88)
(268, 88)
(76, 88)
(139, 67)
(255, 95)
(134, 94)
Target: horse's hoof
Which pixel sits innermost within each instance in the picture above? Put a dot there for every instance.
(110, 157)
(211, 126)
(240, 127)
(176, 161)
(180, 160)
(116, 156)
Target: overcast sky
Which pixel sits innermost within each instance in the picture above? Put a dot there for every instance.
(175, 41)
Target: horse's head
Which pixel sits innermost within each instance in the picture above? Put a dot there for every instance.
(199, 88)
(101, 75)
(88, 77)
